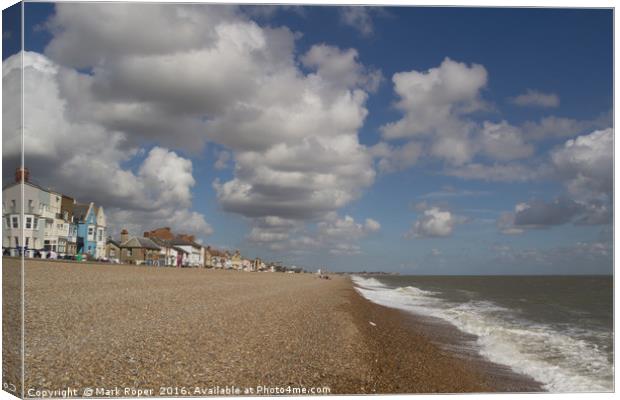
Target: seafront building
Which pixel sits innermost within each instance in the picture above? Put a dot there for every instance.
(138, 250)
(67, 239)
(48, 224)
(193, 250)
(113, 250)
(56, 225)
(169, 255)
(91, 228)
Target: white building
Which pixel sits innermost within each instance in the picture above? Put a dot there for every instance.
(31, 224)
(168, 253)
(194, 251)
(46, 224)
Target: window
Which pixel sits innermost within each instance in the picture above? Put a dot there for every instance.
(27, 241)
(59, 226)
(99, 235)
(90, 232)
(46, 245)
(113, 252)
(15, 220)
(16, 241)
(28, 222)
(129, 253)
(36, 224)
(13, 204)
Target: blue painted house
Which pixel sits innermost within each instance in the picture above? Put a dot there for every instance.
(91, 230)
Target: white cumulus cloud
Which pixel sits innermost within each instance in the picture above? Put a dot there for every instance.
(433, 222)
(85, 160)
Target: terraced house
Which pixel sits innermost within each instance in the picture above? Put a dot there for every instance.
(91, 229)
(46, 226)
(138, 250)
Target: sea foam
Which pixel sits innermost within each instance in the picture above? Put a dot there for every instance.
(558, 357)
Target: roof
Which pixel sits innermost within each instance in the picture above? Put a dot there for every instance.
(30, 183)
(166, 243)
(140, 242)
(182, 242)
(180, 249)
(160, 242)
(114, 242)
(80, 211)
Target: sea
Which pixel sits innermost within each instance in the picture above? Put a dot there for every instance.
(557, 330)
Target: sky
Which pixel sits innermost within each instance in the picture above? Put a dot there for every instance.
(403, 139)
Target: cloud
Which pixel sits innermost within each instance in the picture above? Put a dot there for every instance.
(288, 123)
(346, 228)
(358, 17)
(85, 160)
(438, 124)
(434, 101)
(299, 157)
(341, 67)
(371, 225)
(334, 234)
(273, 231)
(83, 37)
(508, 172)
(222, 160)
(340, 234)
(540, 214)
(394, 158)
(138, 221)
(535, 98)
(437, 105)
(506, 224)
(434, 222)
(504, 142)
(550, 127)
(168, 176)
(585, 166)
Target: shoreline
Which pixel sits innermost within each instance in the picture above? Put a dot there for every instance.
(106, 326)
(405, 359)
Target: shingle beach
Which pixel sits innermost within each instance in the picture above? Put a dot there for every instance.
(116, 326)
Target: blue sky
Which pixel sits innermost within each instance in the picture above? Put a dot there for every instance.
(437, 209)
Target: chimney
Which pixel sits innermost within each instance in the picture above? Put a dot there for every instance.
(124, 236)
(22, 175)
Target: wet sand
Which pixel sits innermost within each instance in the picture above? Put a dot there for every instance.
(108, 326)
